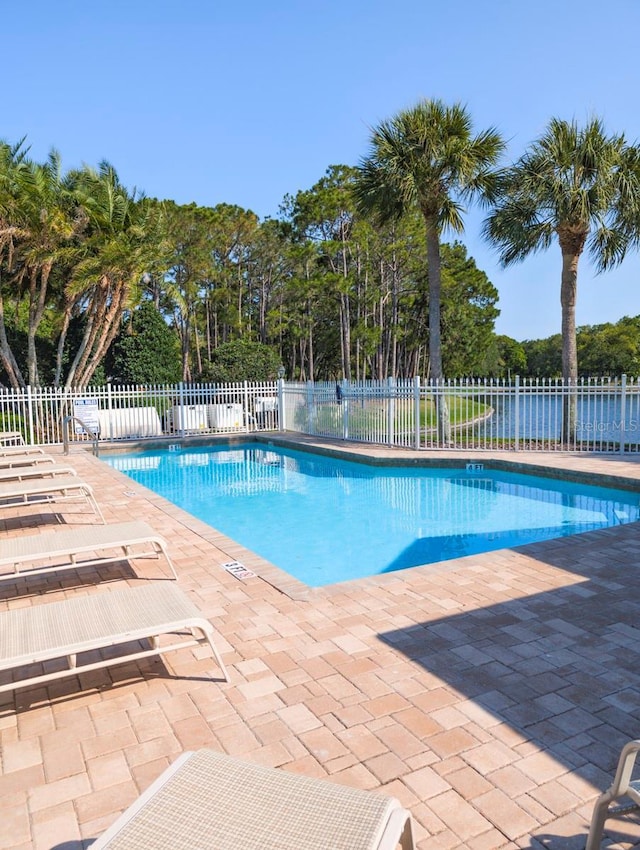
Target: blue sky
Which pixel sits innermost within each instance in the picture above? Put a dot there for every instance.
(245, 102)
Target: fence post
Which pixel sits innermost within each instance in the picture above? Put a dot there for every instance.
(180, 410)
(281, 410)
(623, 411)
(310, 427)
(109, 403)
(245, 415)
(30, 416)
(391, 411)
(416, 412)
(345, 410)
(516, 414)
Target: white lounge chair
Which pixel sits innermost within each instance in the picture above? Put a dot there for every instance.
(102, 544)
(622, 786)
(209, 801)
(40, 470)
(80, 624)
(47, 490)
(5, 451)
(8, 461)
(11, 438)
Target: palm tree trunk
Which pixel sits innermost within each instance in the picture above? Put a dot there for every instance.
(66, 319)
(7, 357)
(105, 304)
(568, 292)
(95, 312)
(107, 331)
(80, 353)
(435, 344)
(37, 300)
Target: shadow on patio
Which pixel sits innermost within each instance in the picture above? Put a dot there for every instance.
(559, 669)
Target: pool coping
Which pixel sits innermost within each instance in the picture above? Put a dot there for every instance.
(369, 455)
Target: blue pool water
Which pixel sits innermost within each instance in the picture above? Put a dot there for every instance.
(326, 520)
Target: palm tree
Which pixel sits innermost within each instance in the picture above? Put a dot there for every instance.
(124, 242)
(578, 186)
(13, 163)
(427, 158)
(50, 223)
(37, 225)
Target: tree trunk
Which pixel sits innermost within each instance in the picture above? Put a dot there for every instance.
(312, 366)
(198, 352)
(106, 304)
(266, 289)
(568, 291)
(208, 326)
(104, 332)
(393, 369)
(6, 354)
(345, 309)
(345, 338)
(108, 333)
(61, 342)
(186, 347)
(37, 300)
(80, 353)
(435, 344)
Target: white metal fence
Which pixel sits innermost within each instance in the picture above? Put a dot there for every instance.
(484, 415)
(46, 415)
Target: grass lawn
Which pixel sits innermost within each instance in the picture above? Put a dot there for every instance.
(370, 416)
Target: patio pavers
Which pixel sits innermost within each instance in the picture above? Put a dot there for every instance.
(491, 694)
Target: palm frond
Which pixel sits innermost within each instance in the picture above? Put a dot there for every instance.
(426, 158)
(572, 180)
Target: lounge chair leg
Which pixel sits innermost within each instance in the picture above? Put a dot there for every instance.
(208, 635)
(163, 551)
(598, 819)
(400, 819)
(622, 786)
(406, 839)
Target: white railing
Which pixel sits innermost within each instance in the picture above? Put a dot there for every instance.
(117, 413)
(517, 415)
(484, 415)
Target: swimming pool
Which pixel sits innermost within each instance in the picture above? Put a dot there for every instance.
(324, 520)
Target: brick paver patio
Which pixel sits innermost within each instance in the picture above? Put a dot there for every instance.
(490, 694)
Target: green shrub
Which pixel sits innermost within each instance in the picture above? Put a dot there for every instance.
(242, 360)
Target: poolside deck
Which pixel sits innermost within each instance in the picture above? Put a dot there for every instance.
(491, 695)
